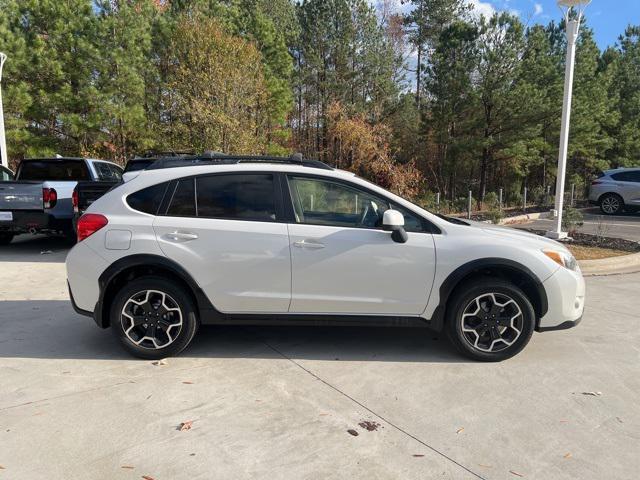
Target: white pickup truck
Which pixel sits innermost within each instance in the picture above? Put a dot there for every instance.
(40, 199)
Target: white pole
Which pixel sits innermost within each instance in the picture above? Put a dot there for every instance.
(3, 141)
(572, 35)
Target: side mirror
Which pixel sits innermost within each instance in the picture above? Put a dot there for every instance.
(393, 221)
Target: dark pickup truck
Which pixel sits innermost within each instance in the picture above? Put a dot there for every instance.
(86, 193)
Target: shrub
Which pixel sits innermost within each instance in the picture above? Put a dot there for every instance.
(572, 219)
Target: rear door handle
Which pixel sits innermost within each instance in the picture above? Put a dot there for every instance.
(181, 236)
(311, 244)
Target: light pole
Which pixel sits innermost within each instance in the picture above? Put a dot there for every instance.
(572, 30)
(3, 140)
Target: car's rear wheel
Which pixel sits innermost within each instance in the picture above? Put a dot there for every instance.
(5, 238)
(611, 204)
(153, 318)
(490, 320)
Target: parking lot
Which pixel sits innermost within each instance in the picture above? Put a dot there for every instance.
(625, 226)
(280, 402)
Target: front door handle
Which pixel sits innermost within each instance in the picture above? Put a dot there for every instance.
(311, 244)
(181, 236)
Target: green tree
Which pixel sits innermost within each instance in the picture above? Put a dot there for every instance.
(216, 90)
(52, 101)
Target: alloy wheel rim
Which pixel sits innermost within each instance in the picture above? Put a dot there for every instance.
(492, 322)
(151, 319)
(610, 204)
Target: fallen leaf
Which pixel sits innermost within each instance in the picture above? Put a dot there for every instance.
(192, 454)
(619, 419)
(593, 394)
(369, 425)
(147, 477)
(64, 373)
(185, 425)
(516, 473)
(460, 430)
(160, 362)
(128, 467)
(188, 383)
(2, 468)
(148, 397)
(417, 455)
(323, 414)
(353, 432)
(567, 455)
(485, 465)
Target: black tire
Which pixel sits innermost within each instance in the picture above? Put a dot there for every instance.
(611, 204)
(175, 296)
(5, 238)
(464, 298)
(70, 236)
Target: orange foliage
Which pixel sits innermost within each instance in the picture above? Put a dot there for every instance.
(363, 148)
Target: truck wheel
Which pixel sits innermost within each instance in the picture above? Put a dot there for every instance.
(153, 318)
(5, 238)
(490, 320)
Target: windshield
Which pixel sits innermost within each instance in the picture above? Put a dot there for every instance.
(56, 170)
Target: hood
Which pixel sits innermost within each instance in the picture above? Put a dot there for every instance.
(531, 239)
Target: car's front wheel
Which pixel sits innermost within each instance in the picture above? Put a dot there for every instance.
(153, 318)
(490, 320)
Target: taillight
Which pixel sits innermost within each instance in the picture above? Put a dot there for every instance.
(596, 182)
(49, 197)
(74, 201)
(90, 223)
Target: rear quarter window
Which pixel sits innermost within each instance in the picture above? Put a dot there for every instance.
(148, 199)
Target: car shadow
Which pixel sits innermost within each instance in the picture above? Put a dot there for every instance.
(35, 248)
(51, 329)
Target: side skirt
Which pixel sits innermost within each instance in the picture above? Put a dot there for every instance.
(209, 317)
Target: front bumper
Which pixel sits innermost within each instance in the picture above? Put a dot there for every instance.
(566, 297)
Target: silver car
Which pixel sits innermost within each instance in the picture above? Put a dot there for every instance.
(616, 190)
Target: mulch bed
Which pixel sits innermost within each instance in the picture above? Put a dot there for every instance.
(588, 240)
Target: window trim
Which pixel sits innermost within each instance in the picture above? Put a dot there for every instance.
(277, 196)
(429, 227)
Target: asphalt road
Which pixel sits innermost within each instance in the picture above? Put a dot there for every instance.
(620, 226)
(278, 403)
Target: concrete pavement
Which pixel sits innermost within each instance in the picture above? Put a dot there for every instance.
(277, 403)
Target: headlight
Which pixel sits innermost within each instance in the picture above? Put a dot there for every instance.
(562, 258)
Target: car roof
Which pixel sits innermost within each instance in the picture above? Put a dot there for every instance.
(621, 169)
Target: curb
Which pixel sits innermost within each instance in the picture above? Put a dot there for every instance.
(524, 218)
(611, 266)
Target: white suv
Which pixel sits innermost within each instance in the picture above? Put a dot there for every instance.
(255, 240)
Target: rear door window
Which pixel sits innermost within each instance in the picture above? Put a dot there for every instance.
(237, 197)
(54, 170)
(182, 202)
(107, 172)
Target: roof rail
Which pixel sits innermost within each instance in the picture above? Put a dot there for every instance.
(216, 158)
(164, 154)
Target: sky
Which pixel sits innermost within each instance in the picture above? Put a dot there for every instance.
(607, 18)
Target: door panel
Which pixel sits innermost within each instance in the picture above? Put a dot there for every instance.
(242, 266)
(359, 271)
